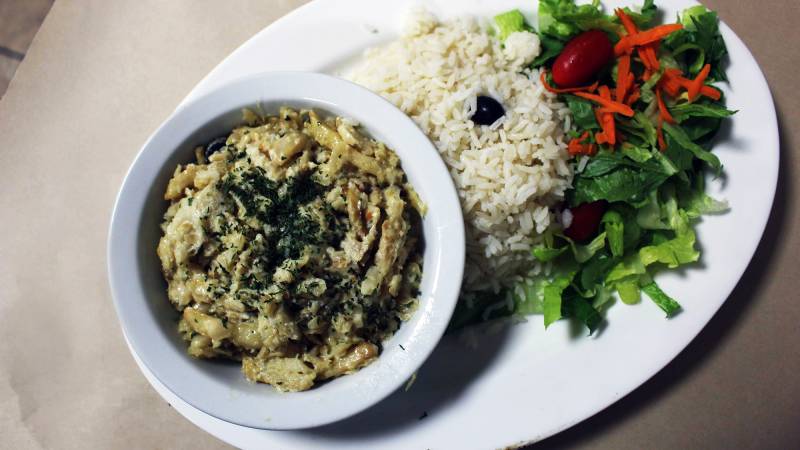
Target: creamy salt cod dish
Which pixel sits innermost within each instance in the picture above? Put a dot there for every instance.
(294, 246)
(579, 150)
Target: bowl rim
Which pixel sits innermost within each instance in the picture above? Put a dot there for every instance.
(334, 95)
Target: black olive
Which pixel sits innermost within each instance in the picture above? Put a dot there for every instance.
(215, 146)
(488, 111)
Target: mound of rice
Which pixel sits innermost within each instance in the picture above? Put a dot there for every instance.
(508, 174)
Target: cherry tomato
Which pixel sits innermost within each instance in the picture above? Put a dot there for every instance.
(585, 220)
(582, 58)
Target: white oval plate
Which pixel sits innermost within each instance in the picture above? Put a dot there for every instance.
(524, 384)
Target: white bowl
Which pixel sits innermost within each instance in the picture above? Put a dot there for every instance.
(149, 320)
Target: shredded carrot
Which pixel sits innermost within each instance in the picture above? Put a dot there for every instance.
(578, 146)
(600, 136)
(610, 127)
(590, 88)
(604, 92)
(663, 112)
(626, 21)
(670, 89)
(650, 36)
(598, 115)
(624, 78)
(655, 34)
(635, 95)
(649, 54)
(574, 147)
(608, 135)
(697, 84)
(617, 107)
(662, 143)
(708, 91)
(607, 116)
(591, 149)
(680, 79)
(672, 81)
(711, 92)
(646, 54)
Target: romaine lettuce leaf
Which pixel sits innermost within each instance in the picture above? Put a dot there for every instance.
(563, 18)
(681, 159)
(582, 113)
(551, 47)
(686, 52)
(664, 301)
(636, 153)
(673, 253)
(645, 16)
(650, 216)
(628, 290)
(648, 95)
(583, 311)
(682, 139)
(546, 254)
(615, 232)
(581, 253)
(510, 22)
(552, 299)
(615, 178)
(593, 272)
(639, 126)
(531, 300)
(603, 298)
(667, 165)
(685, 111)
(704, 204)
(702, 39)
(629, 266)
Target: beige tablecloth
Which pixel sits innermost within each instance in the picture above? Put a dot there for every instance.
(99, 78)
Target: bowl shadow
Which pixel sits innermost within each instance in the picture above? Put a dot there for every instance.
(453, 366)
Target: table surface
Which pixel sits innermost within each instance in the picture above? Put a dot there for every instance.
(99, 78)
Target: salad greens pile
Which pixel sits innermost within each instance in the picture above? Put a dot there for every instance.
(652, 194)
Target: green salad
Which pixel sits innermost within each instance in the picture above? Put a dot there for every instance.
(644, 117)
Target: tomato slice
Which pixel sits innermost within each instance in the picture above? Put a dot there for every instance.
(586, 219)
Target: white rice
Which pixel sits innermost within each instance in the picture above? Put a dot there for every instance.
(508, 174)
